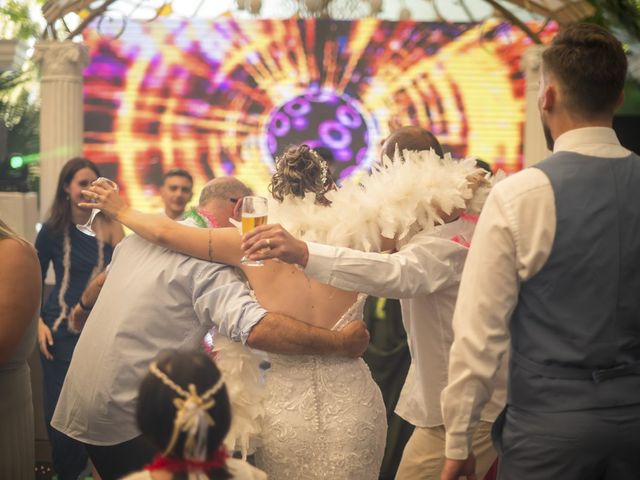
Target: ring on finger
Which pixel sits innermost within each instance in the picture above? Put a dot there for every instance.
(269, 243)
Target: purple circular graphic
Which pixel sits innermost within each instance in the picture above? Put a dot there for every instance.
(348, 116)
(334, 135)
(280, 124)
(297, 107)
(300, 123)
(271, 142)
(344, 155)
(326, 121)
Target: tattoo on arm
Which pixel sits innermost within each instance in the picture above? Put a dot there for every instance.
(210, 251)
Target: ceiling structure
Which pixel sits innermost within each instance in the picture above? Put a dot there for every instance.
(72, 16)
(67, 19)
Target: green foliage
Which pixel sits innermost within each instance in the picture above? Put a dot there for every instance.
(16, 21)
(618, 15)
(19, 109)
(21, 116)
(24, 133)
(631, 104)
(16, 95)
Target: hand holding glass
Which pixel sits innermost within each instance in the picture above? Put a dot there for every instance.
(254, 214)
(86, 228)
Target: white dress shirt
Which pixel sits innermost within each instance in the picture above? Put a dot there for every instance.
(153, 299)
(512, 243)
(424, 274)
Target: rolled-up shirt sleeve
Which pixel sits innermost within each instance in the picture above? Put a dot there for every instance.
(221, 298)
(425, 265)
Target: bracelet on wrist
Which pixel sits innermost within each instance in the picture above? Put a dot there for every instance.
(83, 306)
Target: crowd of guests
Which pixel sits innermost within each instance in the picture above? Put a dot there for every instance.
(525, 347)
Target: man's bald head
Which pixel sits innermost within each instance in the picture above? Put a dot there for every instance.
(222, 198)
(224, 188)
(411, 138)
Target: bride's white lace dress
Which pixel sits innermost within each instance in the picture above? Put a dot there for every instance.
(325, 418)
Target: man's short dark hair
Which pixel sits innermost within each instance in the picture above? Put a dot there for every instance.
(411, 138)
(483, 165)
(177, 172)
(590, 66)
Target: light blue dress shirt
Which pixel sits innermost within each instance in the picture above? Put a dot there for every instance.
(153, 299)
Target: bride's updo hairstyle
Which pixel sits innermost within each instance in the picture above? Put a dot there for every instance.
(300, 170)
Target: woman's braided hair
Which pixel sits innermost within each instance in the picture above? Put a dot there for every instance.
(300, 170)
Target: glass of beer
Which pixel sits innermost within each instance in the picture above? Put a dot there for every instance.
(254, 214)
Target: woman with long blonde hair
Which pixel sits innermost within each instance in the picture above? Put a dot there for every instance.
(19, 301)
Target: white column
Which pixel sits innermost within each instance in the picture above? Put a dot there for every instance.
(535, 148)
(20, 211)
(61, 114)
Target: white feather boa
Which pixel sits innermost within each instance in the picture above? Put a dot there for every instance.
(240, 366)
(398, 199)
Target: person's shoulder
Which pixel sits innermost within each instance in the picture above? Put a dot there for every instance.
(15, 248)
(522, 183)
(19, 257)
(109, 230)
(45, 232)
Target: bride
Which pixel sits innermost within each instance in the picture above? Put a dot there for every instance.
(325, 417)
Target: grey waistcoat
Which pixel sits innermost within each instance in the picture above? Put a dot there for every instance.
(575, 332)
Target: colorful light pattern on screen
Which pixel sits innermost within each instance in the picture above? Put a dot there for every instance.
(224, 97)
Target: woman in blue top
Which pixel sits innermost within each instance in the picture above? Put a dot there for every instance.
(76, 258)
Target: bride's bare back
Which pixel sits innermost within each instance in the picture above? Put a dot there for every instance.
(283, 288)
(279, 287)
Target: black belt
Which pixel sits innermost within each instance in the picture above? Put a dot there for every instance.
(575, 373)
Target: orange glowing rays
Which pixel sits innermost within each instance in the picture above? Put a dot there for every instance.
(203, 95)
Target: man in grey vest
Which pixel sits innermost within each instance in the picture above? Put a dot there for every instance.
(555, 266)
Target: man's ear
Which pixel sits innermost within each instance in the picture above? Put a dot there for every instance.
(237, 209)
(549, 98)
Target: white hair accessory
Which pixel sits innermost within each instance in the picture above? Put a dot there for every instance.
(192, 416)
(323, 166)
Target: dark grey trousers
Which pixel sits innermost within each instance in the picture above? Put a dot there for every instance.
(588, 445)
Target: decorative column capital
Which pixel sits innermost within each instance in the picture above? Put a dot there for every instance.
(532, 59)
(61, 60)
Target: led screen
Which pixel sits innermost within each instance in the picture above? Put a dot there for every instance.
(225, 97)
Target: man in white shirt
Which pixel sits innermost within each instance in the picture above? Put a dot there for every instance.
(424, 273)
(553, 272)
(155, 299)
(176, 192)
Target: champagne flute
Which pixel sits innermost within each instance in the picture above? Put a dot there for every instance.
(254, 214)
(86, 228)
